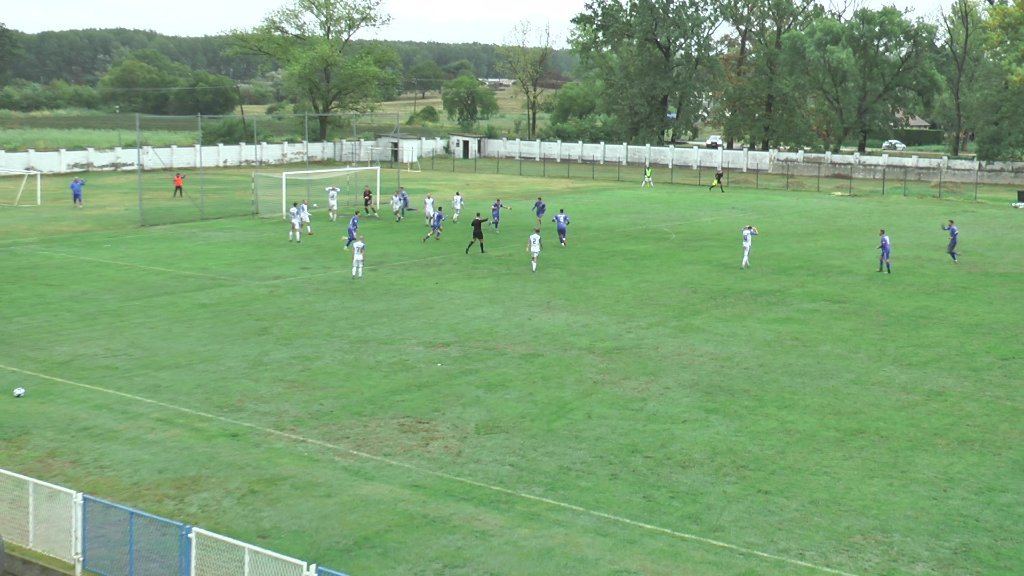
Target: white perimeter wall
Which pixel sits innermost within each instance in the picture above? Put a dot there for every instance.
(358, 151)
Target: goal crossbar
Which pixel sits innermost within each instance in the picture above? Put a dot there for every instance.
(21, 185)
(324, 175)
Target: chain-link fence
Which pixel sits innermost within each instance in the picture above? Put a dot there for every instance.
(121, 541)
(836, 179)
(39, 516)
(216, 555)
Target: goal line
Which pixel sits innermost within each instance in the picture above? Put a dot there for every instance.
(274, 192)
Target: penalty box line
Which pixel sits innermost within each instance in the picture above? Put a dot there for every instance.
(444, 475)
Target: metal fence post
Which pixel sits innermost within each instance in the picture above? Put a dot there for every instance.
(883, 181)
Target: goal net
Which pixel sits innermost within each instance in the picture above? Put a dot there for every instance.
(274, 193)
(20, 187)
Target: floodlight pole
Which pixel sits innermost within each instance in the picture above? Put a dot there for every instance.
(138, 165)
(398, 130)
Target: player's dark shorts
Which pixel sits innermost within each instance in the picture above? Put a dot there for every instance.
(885, 253)
(478, 234)
(562, 231)
(952, 245)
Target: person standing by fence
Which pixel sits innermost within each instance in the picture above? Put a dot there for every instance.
(648, 177)
(179, 186)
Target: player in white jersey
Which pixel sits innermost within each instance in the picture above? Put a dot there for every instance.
(533, 246)
(358, 256)
(428, 209)
(748, 237)
(332, 202)
(295, 232)
(457, 206)
(304, 216)
(396, 206)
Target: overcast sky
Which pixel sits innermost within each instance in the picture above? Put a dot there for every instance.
(421, 20)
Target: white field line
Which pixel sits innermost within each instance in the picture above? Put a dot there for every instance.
(444, 475)
(138, 266)
(343, 267)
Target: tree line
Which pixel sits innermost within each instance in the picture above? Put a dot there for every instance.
(767, 73)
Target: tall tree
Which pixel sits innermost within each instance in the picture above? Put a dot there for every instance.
(997, 99)
(962, 42)
(8, 51)
(467, 101)
(142, 82)
(762, 100)
(526, 59)
(864, 73)
(656, 57)
(423, 76)
(313, 41)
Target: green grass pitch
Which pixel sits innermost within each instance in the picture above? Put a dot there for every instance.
(639, 406)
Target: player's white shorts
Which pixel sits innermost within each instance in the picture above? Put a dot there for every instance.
(429, 213)
(296, 223)
(332, 205)
(534, 252)
(305, 218)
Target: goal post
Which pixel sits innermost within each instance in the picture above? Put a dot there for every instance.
(21, 187)
(274, 192)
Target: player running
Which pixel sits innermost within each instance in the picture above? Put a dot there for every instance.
(539, 207)
(718, 181)
(428, 209)
(561, 221)
(496, 213)
(332, 202)
(435, 225)
(397, 207)
(457, 206)
(533, 246)
(353, 228)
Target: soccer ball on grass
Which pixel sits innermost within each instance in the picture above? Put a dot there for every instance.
(19, 392)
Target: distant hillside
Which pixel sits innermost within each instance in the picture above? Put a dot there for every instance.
(83, 56)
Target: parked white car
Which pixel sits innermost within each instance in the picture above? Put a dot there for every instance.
(713, 141)
(894, 145)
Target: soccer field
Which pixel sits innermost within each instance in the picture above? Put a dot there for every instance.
(639, 406)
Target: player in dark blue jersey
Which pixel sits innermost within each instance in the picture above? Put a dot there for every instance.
(496, 213)
(435, 225)
(885, 247)
(353, 228)
(76, 191)
(954, 236)
(561, 221)
(539, 207)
